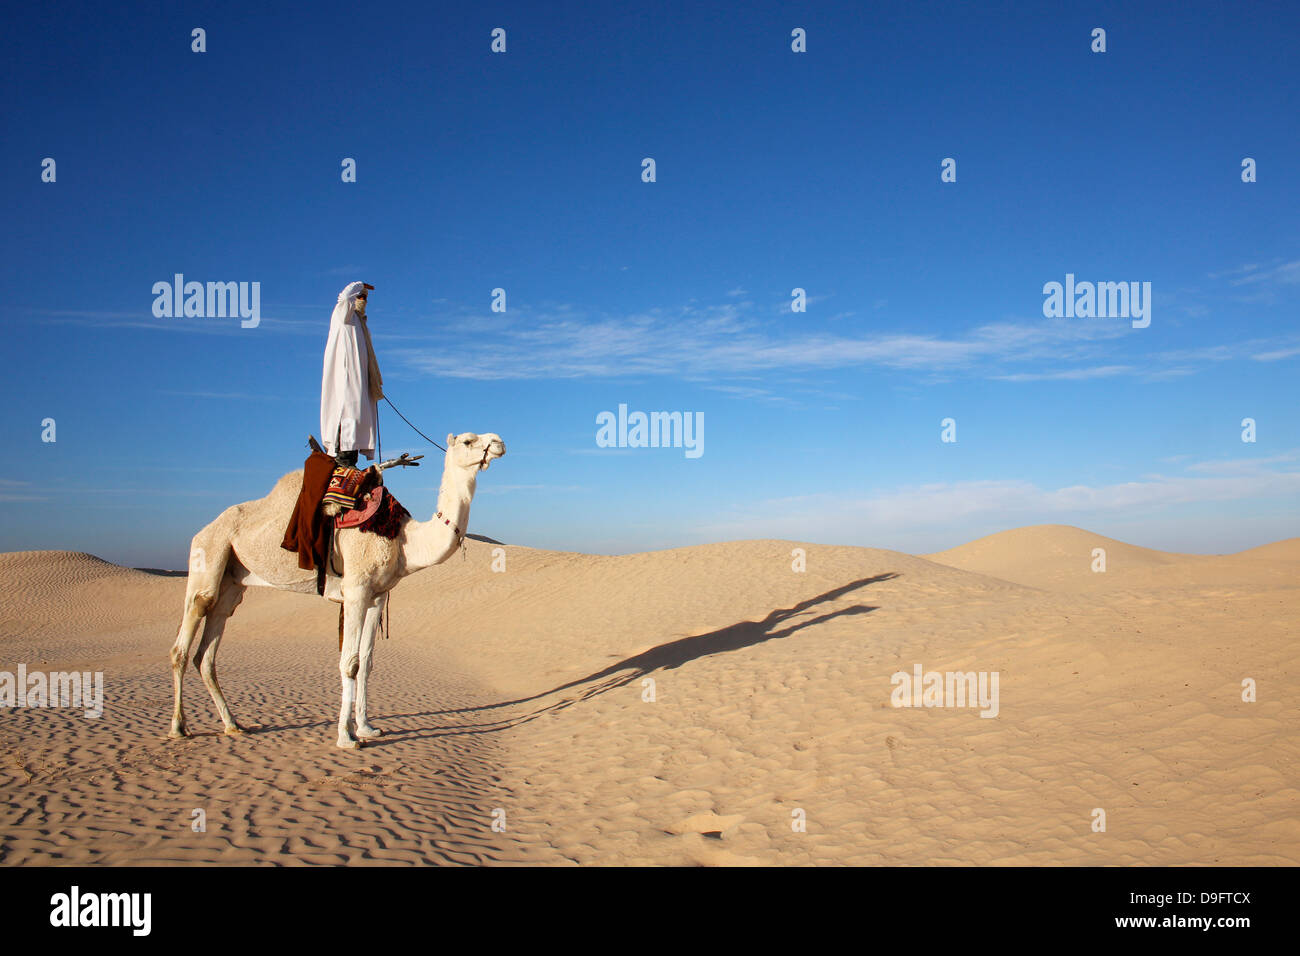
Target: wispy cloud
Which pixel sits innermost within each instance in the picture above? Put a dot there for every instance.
(11, 490)
(1241, 466)
(1285, 273)
(1238, 271)
(753, 393)
(727, 340)
(1075, 374)
(1273, 350)
(1276, 354)
(513, 489)
(708, 341)
(998, 503)
(145, 320)
(224, 396)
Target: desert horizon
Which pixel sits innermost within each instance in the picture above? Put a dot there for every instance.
(705, 705)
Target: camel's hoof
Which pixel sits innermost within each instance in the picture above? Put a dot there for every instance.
(178, 733)
(350, 744)
(369, 733)
(235, 731)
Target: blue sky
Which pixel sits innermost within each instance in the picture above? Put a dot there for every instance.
(775, 170)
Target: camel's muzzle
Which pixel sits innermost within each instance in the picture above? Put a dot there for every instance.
(490, 452)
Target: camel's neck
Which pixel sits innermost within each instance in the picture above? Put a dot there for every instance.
(434, 541)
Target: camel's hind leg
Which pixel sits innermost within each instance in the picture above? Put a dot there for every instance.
(180, 655)
(206, 657)
(201, 591)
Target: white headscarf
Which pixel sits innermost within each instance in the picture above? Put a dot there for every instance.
(351, 385)
(347, 301)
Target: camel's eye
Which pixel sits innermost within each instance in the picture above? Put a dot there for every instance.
(469, 441)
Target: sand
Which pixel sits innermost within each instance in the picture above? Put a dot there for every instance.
(521, 730)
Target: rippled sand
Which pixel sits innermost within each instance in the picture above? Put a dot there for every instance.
(705, 705)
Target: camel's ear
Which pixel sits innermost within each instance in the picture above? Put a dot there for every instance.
(451, 439)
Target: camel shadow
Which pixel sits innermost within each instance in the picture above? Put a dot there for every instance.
(668, 656)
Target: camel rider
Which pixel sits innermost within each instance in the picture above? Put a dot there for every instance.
(351, 385)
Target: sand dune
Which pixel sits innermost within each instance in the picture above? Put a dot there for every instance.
(1287, 551)
(1063, 558)
(1056, 557)
(522, 696)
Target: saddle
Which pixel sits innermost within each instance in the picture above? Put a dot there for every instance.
(337, 497)
(363, 510)
(347, 487)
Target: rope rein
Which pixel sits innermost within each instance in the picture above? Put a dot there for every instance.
(408, 421)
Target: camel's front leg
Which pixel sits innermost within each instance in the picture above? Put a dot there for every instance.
(369, 631)
(355, 603)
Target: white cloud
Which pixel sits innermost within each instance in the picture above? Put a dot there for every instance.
(1076, 374)
(1241, 465)
(721, 339)
(1276, 354)
(1286, 273)
(1249, 267)
(230, 396)
(11, 490)
(932, 512)
(144, 319)
(512, 489)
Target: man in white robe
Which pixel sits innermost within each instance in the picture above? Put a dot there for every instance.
(351, 385)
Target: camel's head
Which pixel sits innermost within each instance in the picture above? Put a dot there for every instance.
(471, 450)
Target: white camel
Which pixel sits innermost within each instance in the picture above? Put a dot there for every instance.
(242, 548)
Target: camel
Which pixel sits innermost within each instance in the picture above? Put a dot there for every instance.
(241, 548)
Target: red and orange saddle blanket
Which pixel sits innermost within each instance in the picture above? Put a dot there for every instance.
(346, 486)
(377, 512)
(338, 497)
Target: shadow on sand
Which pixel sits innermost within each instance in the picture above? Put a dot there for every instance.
(664, 657)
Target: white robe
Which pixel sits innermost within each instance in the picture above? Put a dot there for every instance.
(349, 417)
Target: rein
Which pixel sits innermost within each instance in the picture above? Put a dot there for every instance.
(460, 535)
(413, 428)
